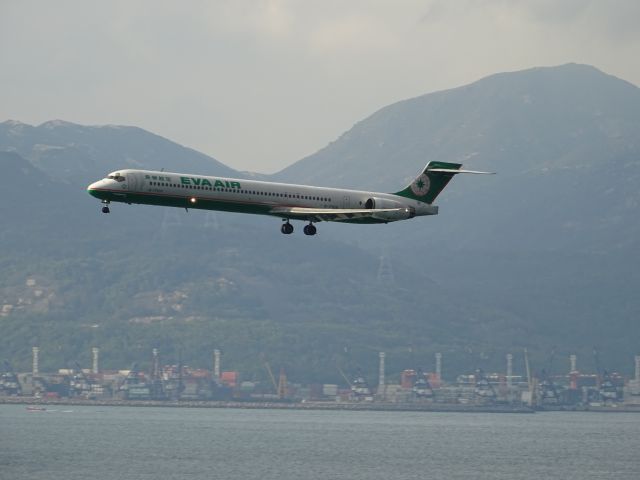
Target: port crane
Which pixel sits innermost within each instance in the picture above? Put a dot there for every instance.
(422, 388)
(483, 387)
(548, 392)
(346, 379)
(271, 376)
(359, 387)
(131, 379)
(9, 381)
(81, 384)
(280, 386)
(607, 389)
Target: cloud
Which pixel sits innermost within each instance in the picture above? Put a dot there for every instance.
(352, 35)
(260, 84)
(257, 19)
(611, 20)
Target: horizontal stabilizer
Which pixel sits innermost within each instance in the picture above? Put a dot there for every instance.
(450, 170)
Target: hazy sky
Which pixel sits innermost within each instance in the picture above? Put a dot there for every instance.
(261, 84)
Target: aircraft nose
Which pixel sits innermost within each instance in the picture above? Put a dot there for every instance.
(93, 189)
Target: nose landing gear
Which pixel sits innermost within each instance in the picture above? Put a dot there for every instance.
(105, 209)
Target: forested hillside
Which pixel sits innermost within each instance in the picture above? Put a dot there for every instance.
(542, 255)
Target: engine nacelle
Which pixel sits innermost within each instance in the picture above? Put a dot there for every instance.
(401, 211)
(405, 213)
(375, 202)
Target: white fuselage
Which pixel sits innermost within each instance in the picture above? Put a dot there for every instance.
(241, 195)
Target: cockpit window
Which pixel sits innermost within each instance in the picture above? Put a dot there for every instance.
(117, 177)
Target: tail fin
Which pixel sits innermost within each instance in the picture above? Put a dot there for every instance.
(436, 175)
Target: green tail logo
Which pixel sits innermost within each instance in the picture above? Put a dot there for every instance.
(431, 182)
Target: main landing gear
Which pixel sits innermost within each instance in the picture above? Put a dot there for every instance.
(309, 229)
(286, 228)
(105, 209)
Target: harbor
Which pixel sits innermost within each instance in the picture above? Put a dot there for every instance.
(410, 390)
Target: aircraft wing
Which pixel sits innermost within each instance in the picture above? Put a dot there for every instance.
(330, 214)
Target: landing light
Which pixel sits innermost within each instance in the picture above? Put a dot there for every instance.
(193, 200)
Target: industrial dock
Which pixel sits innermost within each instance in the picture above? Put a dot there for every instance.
(178, 385)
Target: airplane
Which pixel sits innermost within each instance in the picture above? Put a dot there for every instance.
(287, 201)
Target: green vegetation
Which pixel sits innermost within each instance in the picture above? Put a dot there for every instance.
(542, 255)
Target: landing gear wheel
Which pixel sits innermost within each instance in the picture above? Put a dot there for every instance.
(309, 229)
(105, 209)
(286, 228)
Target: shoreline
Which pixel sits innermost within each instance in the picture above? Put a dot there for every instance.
(329, 406)
(334, 406)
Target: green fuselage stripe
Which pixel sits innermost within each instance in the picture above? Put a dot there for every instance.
(183, 201)
(203, 203)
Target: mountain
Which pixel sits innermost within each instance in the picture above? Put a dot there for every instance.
(563, 141)
(144, 277)
(79, 154)
(552, 238)
(542, 254)
(537, 119)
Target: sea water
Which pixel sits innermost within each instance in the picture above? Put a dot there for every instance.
(83, 442)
